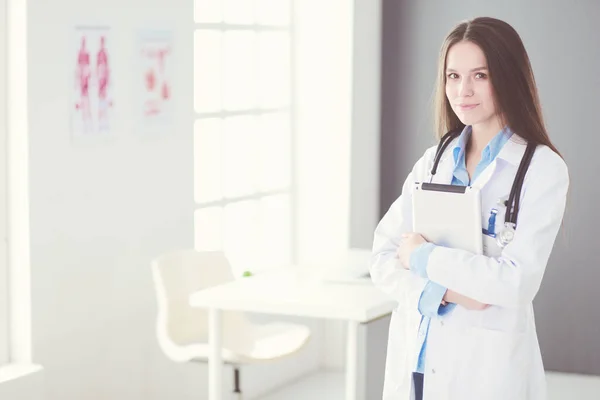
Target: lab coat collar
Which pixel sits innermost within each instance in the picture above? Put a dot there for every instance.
(513, 150)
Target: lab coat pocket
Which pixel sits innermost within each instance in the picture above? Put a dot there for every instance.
(492, 226)
(490, 246)
(501, 319)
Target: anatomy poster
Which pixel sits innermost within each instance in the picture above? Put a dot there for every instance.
(93, 102)
(154, 79)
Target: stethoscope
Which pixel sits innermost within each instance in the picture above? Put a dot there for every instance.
(512, 204)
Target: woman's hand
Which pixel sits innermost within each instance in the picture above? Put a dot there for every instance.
(410, 241)
(466, 302)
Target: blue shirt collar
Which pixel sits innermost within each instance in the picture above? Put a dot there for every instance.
(489, 152)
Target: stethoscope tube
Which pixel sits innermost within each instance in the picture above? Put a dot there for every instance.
(444, 142)
(512, 204)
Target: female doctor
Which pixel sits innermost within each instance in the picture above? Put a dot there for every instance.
(464, 326)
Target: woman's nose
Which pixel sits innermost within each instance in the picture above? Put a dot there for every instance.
(465, 88)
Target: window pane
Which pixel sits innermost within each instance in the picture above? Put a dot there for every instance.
(238, 11)
(207, 160)
(241, 239)
(239, 70)
(207, 71)
(208, 11)
(208, 228)
(275, 154)
(273, 12)
(274, 69)
(276, 231)
(240, 158)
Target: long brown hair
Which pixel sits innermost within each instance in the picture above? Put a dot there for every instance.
(515, 92)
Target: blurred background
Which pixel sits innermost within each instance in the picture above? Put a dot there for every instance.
(286, 132)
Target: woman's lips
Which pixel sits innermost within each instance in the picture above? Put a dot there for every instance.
(467, 107)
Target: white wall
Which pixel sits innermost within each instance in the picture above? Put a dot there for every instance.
(323, 119)
(361, 201)
(362, 135)
(100, 211)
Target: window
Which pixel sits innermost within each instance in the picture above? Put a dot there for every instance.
(244, 131)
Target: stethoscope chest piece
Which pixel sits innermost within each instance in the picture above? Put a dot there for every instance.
(506, 235)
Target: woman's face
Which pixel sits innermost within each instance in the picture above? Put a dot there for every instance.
(468, 87)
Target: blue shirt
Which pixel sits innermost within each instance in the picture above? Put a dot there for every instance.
(433, 293)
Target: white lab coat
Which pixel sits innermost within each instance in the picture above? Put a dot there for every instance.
(491, 354)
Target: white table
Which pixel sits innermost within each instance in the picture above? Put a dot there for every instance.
(292, 291)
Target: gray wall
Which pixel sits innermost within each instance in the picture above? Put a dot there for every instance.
(562, 38)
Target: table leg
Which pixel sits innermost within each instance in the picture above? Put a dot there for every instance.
(351, 360)
(215, 361)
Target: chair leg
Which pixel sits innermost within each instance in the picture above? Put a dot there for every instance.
(236, 383)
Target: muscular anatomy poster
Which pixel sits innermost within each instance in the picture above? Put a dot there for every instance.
(93, 103)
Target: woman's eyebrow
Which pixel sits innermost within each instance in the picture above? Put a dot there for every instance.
(473, 70)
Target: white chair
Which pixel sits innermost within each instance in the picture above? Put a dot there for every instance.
(182, 331)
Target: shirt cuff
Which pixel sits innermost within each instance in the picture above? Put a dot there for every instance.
(419, 258)
(431, 300)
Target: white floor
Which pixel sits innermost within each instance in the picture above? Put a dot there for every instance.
(330, 386)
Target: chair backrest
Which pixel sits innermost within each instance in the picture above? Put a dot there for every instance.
(178, 274)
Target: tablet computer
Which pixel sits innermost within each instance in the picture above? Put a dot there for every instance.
(448, 215)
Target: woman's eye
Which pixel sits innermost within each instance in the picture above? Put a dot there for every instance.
(480, 75)
(452, 75)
